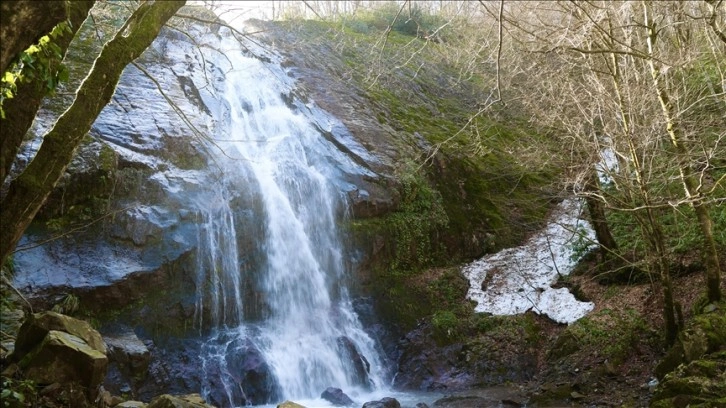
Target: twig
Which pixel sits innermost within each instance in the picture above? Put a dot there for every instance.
(17, 292)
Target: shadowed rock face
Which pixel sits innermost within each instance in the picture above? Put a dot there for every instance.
(427, 366)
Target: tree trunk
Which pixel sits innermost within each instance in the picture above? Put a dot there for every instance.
(28, 192)
(597, 216)
(21, 110)
(690, 184)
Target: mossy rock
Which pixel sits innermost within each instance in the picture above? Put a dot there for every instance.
(37, 326)
(565, 345)
(290, 404)
(706, 333)
(552, 395)
(184, 401)
(701, 383)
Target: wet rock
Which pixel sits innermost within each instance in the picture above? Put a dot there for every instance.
(386, 402)
(175, 368)
(361, 366)
(86, 185)
(366, 204)
(336, 396)
(250, 370)
(468, 401)
(425, 366)
(127, 351)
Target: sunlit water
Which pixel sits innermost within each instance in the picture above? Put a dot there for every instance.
(288, 307)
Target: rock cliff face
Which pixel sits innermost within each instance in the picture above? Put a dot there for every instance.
(121, 232)
(133, 187)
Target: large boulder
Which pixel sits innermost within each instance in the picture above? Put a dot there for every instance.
(54, 348)
(502, 355)
(426, 366)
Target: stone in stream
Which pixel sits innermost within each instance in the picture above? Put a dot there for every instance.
(183, 401)
(336, 396)
(250, 370)
(360, 365)
(386, 402)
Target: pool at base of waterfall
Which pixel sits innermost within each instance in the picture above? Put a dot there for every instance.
(406, 399)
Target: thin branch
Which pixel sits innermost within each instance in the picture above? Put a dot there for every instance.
(499, 50)
(17, 292)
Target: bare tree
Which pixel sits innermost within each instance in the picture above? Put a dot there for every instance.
(641, 81)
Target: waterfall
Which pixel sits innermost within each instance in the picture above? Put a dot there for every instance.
(282, 323)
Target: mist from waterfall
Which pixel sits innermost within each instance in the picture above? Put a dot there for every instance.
(281, 319)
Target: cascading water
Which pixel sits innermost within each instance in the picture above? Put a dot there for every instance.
(281, 320)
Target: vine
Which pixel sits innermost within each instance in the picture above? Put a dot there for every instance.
(40, 63)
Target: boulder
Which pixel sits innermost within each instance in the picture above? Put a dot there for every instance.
(356, 361)
(386, 402)
(699, 383)
(131, 404)
(468, 401)
(65, 358)
(336, 396)
(129, 353)
(53, 348)
(183, 401)
(248, 367)
(37, 326)
(290, 404)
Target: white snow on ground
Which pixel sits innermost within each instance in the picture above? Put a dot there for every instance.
(515, 280)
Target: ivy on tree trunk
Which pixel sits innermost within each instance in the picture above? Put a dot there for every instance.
(27, 193)
(21, 109)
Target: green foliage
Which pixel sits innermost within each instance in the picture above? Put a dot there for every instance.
(417, 220)
(581, 245)
(18, 393)
(445, 324)
(682, 232)
(613, 333)
(68, 305)
(40, 63)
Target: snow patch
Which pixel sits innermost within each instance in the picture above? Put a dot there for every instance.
(515, 280)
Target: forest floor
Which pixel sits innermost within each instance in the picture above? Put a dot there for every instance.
(609, 359)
